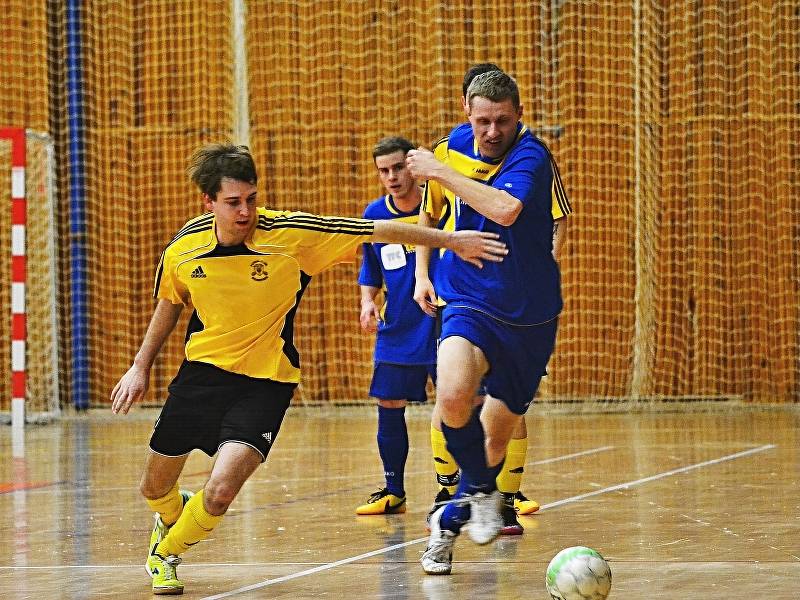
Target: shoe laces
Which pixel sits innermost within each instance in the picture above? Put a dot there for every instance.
(378, 495)
(169, 563)
(440, 545)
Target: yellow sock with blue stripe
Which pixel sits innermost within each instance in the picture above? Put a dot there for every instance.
(446, 468)
(168, 506)
(194, 525)
(510, 477)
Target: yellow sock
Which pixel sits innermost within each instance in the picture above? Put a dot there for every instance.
(194, 524)
(447, 474)
(510, 477)
(168, 506)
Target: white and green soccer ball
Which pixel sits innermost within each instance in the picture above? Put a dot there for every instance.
(578, 573)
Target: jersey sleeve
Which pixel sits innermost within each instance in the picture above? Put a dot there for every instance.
(167, 285)
(529, 172)
(324, 241)
(433, 199)
(370, 273)
(561, 206)
(522, 174)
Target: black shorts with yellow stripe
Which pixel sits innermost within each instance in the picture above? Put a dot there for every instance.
(208, 407)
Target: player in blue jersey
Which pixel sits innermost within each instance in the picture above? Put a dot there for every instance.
(499, 322)
(405, 345)
(510, 477)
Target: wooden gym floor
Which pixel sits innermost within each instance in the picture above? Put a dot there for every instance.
(684, 505)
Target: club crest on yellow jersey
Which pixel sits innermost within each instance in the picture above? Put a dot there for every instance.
(259, 272)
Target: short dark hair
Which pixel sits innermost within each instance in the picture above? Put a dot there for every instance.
(209, 164)
(391, 144)
(474, 71)
(495, 86)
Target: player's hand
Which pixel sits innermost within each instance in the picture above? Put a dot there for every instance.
(370, 316)
(131, 388)
(425, 296)
(422, 163)
(476, 246)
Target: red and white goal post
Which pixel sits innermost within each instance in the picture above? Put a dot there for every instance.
(29, 234)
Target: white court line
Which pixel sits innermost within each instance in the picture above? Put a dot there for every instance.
(630, 484)
(546, 461)
(420, 472)
(621, 486)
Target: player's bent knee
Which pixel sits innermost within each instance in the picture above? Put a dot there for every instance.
(153, 490)
(455, 411)
(218, 496)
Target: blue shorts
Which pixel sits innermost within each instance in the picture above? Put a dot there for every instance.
(517, 354)
(401, 382)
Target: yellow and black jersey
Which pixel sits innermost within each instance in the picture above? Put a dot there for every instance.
(245, 296)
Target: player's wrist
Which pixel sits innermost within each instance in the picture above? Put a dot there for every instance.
(143, 361)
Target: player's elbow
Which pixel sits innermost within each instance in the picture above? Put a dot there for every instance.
(506, 219)
(508, 214)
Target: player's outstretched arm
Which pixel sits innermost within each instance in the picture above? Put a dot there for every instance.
(472, 246)
(133, 385)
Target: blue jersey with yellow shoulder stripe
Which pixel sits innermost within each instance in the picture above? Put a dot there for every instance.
(406, 335)
(525, 288)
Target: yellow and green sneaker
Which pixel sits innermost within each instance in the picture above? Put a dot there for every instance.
(165, 577)
(160, 531)
(383, 502)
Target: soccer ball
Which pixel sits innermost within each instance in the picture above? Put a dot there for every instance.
(578, 573)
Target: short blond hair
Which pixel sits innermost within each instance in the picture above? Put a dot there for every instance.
(495, 86)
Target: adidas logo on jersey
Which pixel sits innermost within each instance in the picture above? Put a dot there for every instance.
(267, 436)
(198, 273)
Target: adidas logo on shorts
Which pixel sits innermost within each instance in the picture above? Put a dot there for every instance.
(198, 273)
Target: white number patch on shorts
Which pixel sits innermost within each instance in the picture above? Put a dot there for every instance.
(393, 256)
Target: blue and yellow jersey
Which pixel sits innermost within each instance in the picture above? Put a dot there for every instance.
(524, 289)
(245, 297)
(406, 335)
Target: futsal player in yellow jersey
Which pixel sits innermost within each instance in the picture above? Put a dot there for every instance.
(242, 270)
